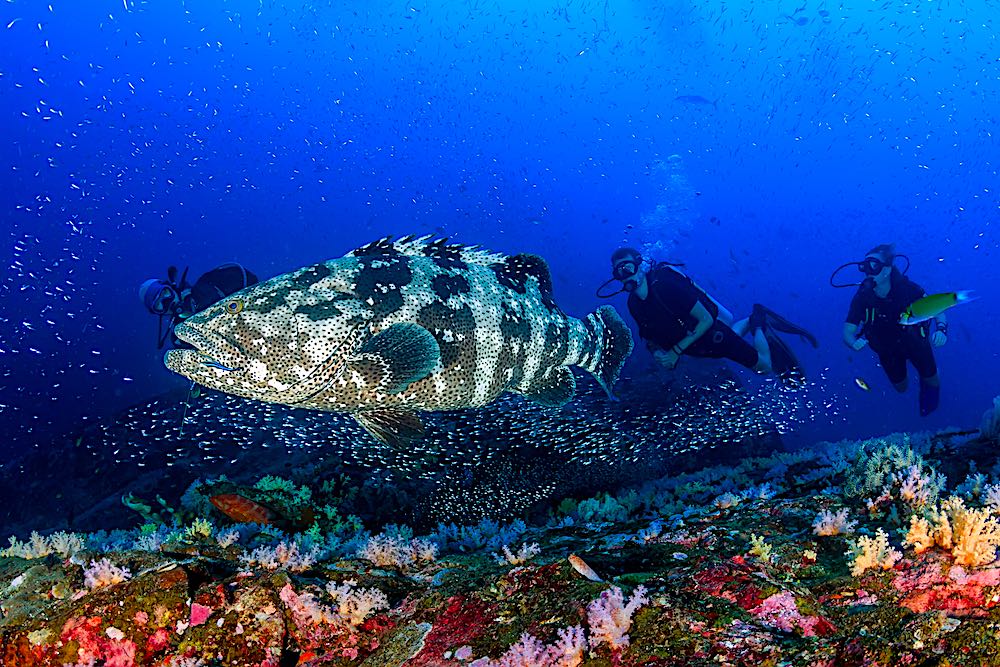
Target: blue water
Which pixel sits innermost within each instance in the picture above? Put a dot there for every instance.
(142, 134)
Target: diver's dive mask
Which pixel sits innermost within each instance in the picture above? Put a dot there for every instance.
(624, 271)
(870, 266)
(164, 300)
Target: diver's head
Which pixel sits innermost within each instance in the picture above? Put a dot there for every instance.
(877, 266)
(626, 267)
(877, 263)
(159, 296)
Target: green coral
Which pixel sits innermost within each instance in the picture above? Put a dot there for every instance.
(300, 494)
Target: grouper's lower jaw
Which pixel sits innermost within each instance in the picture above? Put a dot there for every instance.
(193, 362)
(215, 350)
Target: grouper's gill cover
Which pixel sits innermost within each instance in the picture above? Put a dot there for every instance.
(397, 327)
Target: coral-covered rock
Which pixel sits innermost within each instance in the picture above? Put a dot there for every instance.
(935, 583)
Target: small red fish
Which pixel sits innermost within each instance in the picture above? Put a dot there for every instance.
(244, 510)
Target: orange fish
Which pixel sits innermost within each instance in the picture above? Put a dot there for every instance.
(581, 566)
(244, 510)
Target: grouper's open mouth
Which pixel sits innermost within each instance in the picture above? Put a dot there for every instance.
(211, 351)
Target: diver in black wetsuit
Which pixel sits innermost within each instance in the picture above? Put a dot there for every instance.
(873, 320)
(676, 317)
(177, 299)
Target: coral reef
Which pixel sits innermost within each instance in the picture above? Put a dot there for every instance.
(852, 553)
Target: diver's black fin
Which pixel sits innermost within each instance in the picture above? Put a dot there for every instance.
(397, 357)
(393, 426)
(930, 396)
(554, 391)
(784, 363)
(779, 323)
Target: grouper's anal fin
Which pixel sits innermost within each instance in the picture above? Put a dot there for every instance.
(393, 426)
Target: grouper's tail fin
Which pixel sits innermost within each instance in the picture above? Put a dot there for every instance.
(607, 347)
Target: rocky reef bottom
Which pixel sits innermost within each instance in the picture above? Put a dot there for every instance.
(880, 552)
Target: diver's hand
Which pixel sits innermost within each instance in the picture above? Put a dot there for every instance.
(939, 338)
(666, 358)
(859, 344)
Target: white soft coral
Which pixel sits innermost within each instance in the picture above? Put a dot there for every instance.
(103, 572)
(355, 604)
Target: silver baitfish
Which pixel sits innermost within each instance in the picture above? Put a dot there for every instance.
(398, 327)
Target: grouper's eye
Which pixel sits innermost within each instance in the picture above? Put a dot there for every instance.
(234, 306)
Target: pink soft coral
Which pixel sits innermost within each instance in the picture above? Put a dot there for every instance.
(780, 611)
(530, 652)
(610, 618)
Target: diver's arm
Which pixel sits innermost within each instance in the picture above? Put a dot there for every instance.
(705, 321)
(939, 335)
(851, 336)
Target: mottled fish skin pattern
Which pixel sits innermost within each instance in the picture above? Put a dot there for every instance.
(309, 338)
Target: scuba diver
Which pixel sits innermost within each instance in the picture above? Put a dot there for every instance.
(177, 299)
(879, 317)
(676, 317)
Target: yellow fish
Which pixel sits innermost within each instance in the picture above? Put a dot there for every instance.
(932, 305)
(861, 383)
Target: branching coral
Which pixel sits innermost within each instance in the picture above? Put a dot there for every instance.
(353, 604)
(530, 652)
(972, 535)
(878, 462)
(64, 544)
(610, 617)
(827, 523)
(522, 556)
(397, 552)
(990, 426)
(103, 572)
(872, 552)
(284, 556)
(761, 549)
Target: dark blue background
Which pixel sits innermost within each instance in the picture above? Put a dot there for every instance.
(142, 134)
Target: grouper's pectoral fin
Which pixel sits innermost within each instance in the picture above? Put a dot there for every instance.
(396, 357)
(393, 426)
(554, 390)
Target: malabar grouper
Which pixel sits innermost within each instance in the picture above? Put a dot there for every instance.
(398, 327)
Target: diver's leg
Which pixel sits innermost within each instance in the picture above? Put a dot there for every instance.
(894, 364)
(725, 315)
(922, 358)
(741, 327)
(930, 394)
(763, 352)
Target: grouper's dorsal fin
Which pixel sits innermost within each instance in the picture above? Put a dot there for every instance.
(425, 246)
(514, 271)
